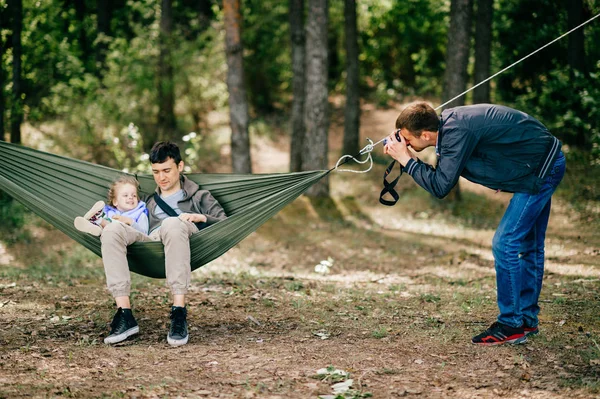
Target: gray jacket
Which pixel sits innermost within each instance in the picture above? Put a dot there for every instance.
(492, 145)
(194, 201)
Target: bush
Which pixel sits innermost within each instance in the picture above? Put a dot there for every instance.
(12, 215)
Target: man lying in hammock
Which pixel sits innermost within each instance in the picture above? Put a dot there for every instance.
(177, 209)
(504, 149)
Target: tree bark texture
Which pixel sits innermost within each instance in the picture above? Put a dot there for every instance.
(298, 83)
(238, 104)
(483, 49)
(457, 51)
(2, 77)
(82, 38)
(352, 109)
(576, 52)
(457, 60)
(167, 125)
(316, 114)
(16, 114)
(103, 29)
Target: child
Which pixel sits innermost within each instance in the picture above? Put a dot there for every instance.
(124, 207)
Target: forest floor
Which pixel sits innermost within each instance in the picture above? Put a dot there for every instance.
(408, 288)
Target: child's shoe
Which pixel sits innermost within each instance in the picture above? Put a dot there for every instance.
(95, 213)
(86, 226)
(90, 222)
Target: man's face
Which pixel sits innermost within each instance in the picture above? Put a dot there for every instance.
(416, 143)
(166, 174)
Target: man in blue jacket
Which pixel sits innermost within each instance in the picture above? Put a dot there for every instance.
(503, 149)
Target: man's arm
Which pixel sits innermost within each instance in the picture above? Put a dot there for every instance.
(456, 148)
(212, 212)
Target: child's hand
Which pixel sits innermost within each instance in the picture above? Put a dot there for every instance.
(124, 219)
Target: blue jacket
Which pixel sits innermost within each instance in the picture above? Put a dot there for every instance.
(139, 215)
(492, 145)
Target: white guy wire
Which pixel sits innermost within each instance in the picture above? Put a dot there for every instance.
(368, 148)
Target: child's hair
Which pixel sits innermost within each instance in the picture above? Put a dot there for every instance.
(112, 191)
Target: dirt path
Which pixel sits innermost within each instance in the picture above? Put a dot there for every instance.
(408, 288)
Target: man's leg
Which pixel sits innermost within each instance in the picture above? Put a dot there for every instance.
(516, 224)
(533, 258)
(532, 271)
(175, 235)
(115, 238)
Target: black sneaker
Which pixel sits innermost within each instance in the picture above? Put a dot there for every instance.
(178, 333)
(499, 333)
(122, 327)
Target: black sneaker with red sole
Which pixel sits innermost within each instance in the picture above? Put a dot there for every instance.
(499, 334)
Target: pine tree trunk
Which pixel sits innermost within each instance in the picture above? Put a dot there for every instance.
(576, 52)
(167, 125)
(103, 29)
(205, 14)
(457, 60)
(298, 83)
(82, 38)
(457, 51)
(2, 77)
(16, 114)
(576, 59)
(316, 118)
(238, 105)
(483, 47)
(352, 110)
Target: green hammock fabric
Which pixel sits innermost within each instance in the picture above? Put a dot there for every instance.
(59, 188)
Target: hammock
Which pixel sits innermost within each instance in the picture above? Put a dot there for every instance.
(59, 188)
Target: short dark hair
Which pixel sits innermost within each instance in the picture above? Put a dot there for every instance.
(418, 117)
(164, 150)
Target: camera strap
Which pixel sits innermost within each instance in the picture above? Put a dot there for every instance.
(389, 187)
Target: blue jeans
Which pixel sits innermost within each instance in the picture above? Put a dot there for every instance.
(518, 248)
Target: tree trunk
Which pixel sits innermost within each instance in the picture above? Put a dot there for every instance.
(205, 14)
(483, 46)
(576, 52)
(316, 118)
(298, 83)
(2, 77)
(576, 59)
(238, 104)
(16, 114)
(103, 28)
(457, 51)
(457, 60)
(82, 38)
(352, 110)
(166, 124)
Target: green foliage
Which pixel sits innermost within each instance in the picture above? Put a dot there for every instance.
(544, 85)
(569, 105)
(402, 46)
(12, 215)
(267, 63)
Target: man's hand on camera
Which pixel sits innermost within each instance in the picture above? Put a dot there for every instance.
(398, 149)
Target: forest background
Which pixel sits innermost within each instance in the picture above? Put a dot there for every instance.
(111, 77)
(276, 86)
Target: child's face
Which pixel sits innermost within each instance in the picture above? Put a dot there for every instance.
(126, 197)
